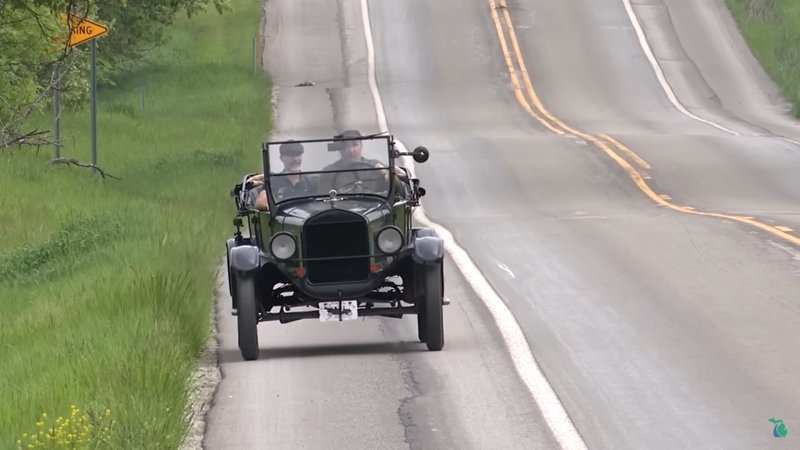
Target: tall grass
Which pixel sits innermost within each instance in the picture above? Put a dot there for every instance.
(772, 30)
(106, 286)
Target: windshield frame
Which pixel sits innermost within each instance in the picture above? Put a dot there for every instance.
(272, 146)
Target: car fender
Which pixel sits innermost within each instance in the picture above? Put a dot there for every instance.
(428, 250)
(420, 232)
(228, 246)
(245, 258)
(231, 243)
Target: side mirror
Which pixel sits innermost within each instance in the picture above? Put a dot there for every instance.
(421, 154)
(421, 192)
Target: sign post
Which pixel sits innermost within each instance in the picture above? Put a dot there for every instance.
(80, 31)
(94, 102)
(57, 117)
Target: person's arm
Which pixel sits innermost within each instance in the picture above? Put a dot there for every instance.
(261, 200)
(256, 179)
(257, 197)
(401, 173)
(260, 192)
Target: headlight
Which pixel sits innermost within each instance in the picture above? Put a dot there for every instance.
(282, 246)
(390, 239)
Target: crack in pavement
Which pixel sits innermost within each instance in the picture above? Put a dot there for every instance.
(410, 428)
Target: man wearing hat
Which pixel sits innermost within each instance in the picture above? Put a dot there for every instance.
(293, 185)
(350, 154)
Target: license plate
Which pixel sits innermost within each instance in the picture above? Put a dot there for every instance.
(338, 311)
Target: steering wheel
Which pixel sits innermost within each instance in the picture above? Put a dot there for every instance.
(353, 186)
(358, 185)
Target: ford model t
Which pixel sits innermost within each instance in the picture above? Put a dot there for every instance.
(330, 238)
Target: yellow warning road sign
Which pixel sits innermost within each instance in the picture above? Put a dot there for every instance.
(83, 30)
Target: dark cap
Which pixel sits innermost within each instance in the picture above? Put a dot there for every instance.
(292, 148)
(351, 134)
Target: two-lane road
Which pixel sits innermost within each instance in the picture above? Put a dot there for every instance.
(656, 327)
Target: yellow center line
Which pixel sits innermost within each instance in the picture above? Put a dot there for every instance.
(528, 85)
(638, 178)
(641, 162)
(532, 92)
(512, 73)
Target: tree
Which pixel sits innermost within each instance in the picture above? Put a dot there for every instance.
(34, 57)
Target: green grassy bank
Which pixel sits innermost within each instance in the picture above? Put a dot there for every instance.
(107, 285)
(772, 30)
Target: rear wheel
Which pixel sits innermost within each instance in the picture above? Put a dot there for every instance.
(432, 323)
(247, 319)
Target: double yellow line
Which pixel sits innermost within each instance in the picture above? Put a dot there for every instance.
(604, 142)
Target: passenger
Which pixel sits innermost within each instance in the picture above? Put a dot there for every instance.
(294, 185)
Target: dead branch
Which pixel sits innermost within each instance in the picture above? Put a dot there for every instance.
(72, 161)
(34, 137)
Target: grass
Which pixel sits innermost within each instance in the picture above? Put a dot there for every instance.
(772, 30)
(107, 285)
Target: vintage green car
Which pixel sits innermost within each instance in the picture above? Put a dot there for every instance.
(329, 236)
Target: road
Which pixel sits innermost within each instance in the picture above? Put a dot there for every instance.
(629, 194)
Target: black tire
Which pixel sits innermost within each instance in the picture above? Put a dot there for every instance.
(418, 274)
(247, 319)
(231, 284)
(421, 326)
(432, 306)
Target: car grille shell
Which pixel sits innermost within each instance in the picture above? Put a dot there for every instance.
(341, 236)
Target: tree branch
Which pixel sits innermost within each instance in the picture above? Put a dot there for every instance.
(30, 138)
(71, 161)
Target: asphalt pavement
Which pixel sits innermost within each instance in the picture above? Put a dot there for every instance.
(656, 326)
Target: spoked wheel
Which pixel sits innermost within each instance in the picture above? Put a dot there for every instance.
(247, 319)
(430, 318)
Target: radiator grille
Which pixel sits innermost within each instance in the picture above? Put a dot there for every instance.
(339, 235)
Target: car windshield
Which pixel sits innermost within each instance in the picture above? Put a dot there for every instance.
(300, 169)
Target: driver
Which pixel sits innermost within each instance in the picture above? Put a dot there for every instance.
(352, 153)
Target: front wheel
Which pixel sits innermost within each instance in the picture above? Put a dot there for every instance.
(432, 320)
(247, 319)
(421, 325)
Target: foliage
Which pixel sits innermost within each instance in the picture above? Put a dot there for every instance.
(34, 57)
(78, 431)
(772, 30)
(108, 284)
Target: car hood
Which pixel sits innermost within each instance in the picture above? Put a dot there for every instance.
(361, 205)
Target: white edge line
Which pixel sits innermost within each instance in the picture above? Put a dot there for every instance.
(789, 140)
(662, 80)
(543, 394)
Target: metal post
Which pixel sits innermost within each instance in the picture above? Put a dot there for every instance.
(94, 102)
(57, 117)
